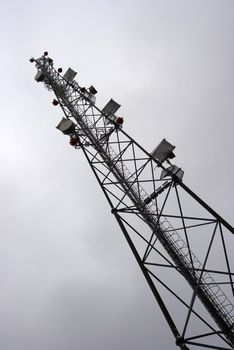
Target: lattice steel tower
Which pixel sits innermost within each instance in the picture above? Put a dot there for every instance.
(182, 246)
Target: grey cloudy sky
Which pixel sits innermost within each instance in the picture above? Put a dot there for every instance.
(68, 280)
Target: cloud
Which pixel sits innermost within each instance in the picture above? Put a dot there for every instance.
(68, 277)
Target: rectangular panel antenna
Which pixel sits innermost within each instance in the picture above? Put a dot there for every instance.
(163, 151)
(69, 75)
(111, 107)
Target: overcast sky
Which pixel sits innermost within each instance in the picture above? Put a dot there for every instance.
(68, 279)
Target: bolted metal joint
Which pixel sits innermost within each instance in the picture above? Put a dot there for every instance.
(180, 342)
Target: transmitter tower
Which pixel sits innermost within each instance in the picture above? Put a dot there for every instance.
(182, 246)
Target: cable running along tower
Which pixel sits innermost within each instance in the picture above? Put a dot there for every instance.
(182, 246)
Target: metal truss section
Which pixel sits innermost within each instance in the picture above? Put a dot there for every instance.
(182, 246)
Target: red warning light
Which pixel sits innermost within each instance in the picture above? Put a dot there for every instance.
(74, 141)
(55, 102)
(119, 120)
